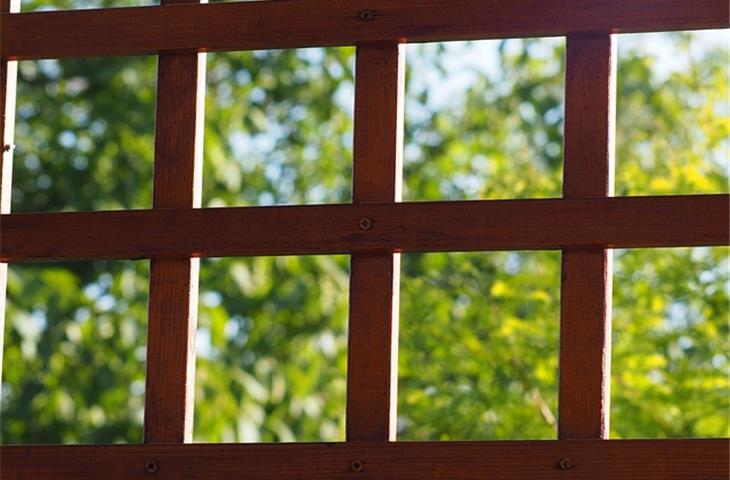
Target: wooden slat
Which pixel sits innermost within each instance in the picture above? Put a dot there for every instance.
(8, 81)
(621, 222)
(588, 459)
(372, 362)
(585, 301)
(173, 298)
(301, 23)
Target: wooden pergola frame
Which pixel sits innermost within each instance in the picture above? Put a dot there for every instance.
(374, 229)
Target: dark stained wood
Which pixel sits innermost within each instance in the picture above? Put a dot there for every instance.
(173, 311)
(8, 81)
(590, 459)
(301, 23)
(590, 114)
(178, 133)
(585, 344)
(621, 222)
(173, 298)
(378, 139)
(171, 350)
(372, 361)
(585, 303)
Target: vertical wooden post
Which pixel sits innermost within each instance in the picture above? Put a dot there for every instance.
(585, 312)
(8, 82)
(372, 367)
(173, 297)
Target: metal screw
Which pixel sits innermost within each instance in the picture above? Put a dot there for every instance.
(366, 15)
(356, 465)
(366, 223)
(7, 147)
(151, 466)
(566, 464)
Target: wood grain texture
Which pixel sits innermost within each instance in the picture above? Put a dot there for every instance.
(372, 361)
(173, 311)
(378, 137)
(302, 23)
(173, 297)
(619, 222)
(590, 116)
(8, 81)
(585, 298)
(510, 460)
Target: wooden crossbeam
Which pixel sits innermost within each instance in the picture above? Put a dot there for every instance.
(585, 295)
(308, 23)
(173, 297)
(8, 81)
(619, 222)
(372, 366)
(510, 460)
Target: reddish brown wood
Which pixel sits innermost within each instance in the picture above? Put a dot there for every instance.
(585, 344)
(173, 299)
(171, 350)
(378, 140)
(585, 304)
(8, 80)
(590, 113)
(372, 362)
(589, 459)
(300, 23)
(621, 222)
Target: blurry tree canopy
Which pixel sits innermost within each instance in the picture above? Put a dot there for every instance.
(479, 331)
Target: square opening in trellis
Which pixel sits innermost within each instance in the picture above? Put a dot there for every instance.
(484, 119)
(272, 349)
(670, 370)
(84, 137)
(673, 113)
(279, 127)
(478, 356)
(75, 349)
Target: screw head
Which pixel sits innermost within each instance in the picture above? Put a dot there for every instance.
(151, 466)
(356, 465)
(366, 15)
(366, 223)
(566, 464)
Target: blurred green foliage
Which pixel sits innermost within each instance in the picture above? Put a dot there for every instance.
(479, 331)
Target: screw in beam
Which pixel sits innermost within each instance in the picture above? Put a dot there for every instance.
(566, 464)
(151, 466)
(366, 15)
(356, 465)
(366, 223)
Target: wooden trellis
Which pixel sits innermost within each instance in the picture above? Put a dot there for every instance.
(374, 229)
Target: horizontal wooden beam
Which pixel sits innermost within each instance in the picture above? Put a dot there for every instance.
(310, 23)
(705, 459)
(667, 221)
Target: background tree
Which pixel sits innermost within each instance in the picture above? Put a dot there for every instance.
(479, 331)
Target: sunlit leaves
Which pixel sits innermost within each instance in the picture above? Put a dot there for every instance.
(478, 346)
